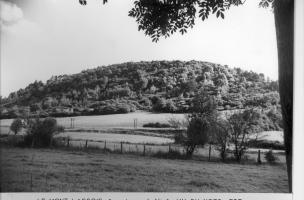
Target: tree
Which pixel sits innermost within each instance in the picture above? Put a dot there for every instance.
(16, 125)
(200, 121)
(40, 132)
(242, 126)
(161, 18)
(196, 134)
(221, 137)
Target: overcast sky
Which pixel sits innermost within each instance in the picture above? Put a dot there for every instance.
(41, 38)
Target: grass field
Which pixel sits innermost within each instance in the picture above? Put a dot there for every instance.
(44, 170)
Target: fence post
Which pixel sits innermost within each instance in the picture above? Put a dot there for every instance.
(144, 153)
(259, 157)
(31, 182)
(86, 144)
(68, 144)
(120, 147)
(105, 145)
(209, 152)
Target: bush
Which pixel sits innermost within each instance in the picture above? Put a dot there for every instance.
(16, 125)
(172, 154)
(40, 133)
(270, 157)
(157, 125)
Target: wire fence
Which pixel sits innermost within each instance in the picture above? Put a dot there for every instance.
(208, 152)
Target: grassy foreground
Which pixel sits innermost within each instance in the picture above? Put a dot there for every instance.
(45, 170)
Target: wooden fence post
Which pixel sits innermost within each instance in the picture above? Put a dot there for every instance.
(144, 153)
(120, 147)
(105, 145)
(209, 152)
(86, 144)
(68, 143)
(31, 182)
(259, 157)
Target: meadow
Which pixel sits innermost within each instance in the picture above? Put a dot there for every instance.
(108, 123)
(66, 170)
(111, 121)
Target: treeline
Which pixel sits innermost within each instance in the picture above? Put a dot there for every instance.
(160, 86)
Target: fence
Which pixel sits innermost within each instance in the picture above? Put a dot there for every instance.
(209, 152)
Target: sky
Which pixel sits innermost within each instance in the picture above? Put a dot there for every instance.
(41, 38)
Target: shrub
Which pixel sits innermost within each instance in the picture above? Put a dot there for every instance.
(172, 154)
(16, 125)
(157, 125)
(270, 157)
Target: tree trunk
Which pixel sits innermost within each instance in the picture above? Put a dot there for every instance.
(284, 23)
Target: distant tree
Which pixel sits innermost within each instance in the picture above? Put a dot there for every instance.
(189, 86)
(170, 106)
(159, 104)
(16, 125)
(35, 107)
(140, 81)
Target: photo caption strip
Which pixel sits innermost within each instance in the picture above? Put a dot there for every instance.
(145, 196)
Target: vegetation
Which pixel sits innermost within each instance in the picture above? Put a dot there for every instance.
(270, 157)
(40, 132)
(172, 154)
(56, 170)
(169, 87)
(157, 125)
(199, 123)
(158, 18)
(221, 137)
(16, 125)
(242, 126)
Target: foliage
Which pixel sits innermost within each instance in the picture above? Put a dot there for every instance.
(16, 125)
(221, 136)
(40, 132)
(199, 123)
(157, 125)
(172, 154)
(160, 86)
(242, 126)
(270, 157)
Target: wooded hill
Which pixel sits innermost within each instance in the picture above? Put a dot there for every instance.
(160, 86)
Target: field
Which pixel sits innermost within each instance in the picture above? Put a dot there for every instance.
(111, 121)
(77, 171)
(107, 123)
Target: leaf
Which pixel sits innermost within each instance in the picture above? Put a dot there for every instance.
(222, 15)
(218, 14)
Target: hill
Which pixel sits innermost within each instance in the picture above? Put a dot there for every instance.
(161, 86)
